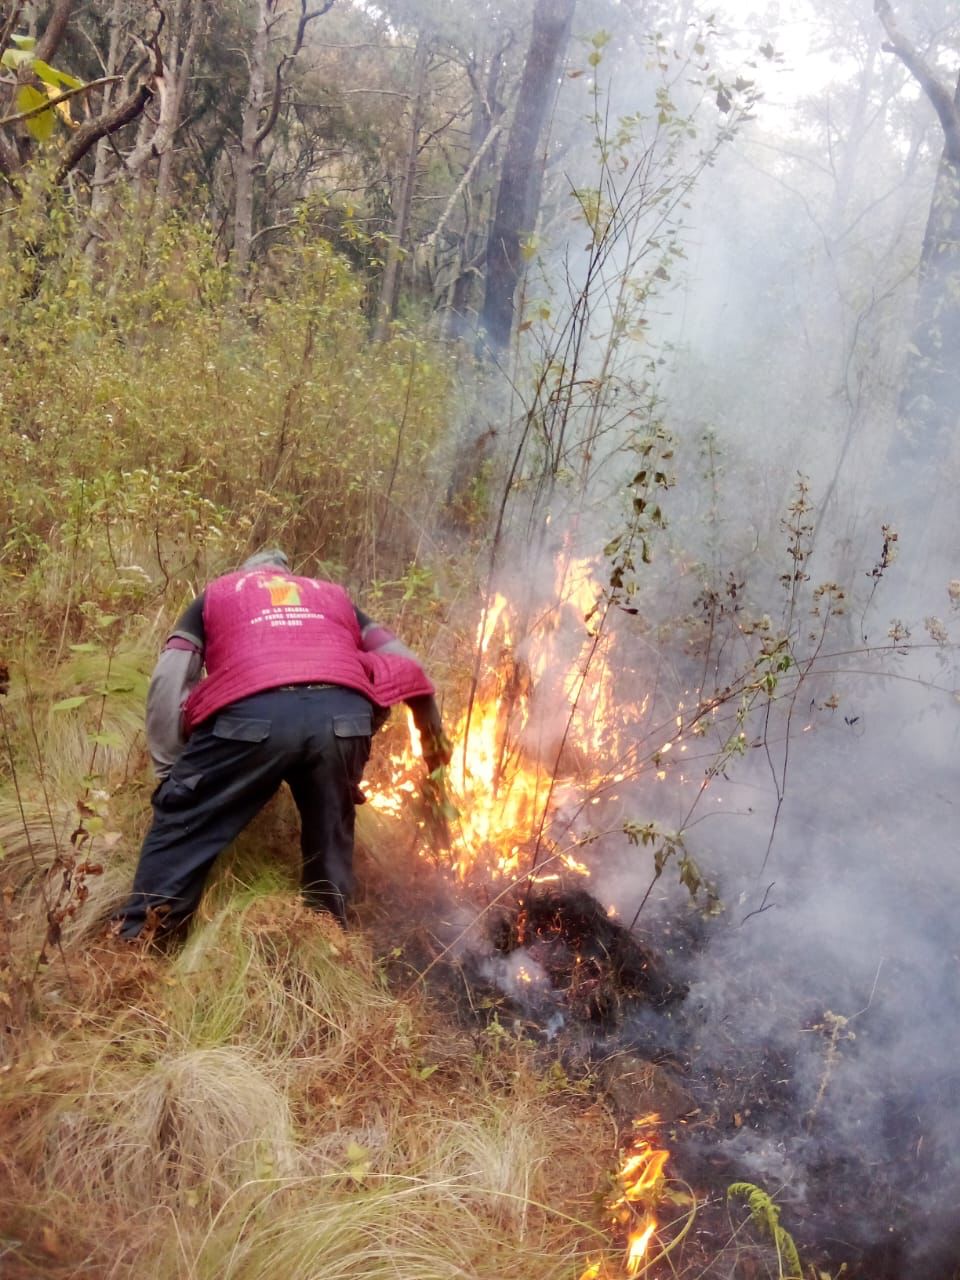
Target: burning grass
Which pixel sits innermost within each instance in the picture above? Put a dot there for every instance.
(542, 711)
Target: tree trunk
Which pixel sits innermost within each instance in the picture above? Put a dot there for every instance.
(181, 57)
(253, 133)
(169, 87)
(386, 305)
(516, 208)
(54, 31)
(485, 130)
(249, 155)
(99, 200)
(929, 404)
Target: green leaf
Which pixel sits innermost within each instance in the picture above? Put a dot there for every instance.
(40, 126)
(50, 75)
(70, 704)
(43, 71)
(14, 59)
(24, 42)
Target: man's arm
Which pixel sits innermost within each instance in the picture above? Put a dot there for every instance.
(437, 748)
(377, 639)
(177, 671)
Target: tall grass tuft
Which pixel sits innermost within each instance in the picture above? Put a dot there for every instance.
(158, 1126)
(398, 1229)
(286, 981)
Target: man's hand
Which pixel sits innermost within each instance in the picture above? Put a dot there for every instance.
(437, 750)
(436, 746)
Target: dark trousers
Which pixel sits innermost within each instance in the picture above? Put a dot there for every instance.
(317, 739)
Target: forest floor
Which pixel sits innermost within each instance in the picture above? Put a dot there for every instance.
(277, 1097)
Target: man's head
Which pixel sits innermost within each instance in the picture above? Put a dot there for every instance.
(274, 557)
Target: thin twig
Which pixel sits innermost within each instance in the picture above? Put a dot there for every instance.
(764, 905)
(55, 101)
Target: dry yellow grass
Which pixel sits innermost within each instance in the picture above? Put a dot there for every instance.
(258, 1103)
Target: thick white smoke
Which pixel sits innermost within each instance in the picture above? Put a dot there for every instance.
(829, 988)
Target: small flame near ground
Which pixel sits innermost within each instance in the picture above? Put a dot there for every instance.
(640, 1186)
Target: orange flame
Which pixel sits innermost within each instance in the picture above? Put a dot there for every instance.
(637, 1247)
(543, 740)
(642, 1168)
(640, 1178)
(541, 711)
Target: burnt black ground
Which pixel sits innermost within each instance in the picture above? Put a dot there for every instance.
(882, 1210)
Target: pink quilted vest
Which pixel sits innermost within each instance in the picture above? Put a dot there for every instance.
(264, 627)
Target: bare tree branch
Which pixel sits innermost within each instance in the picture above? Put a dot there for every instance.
(6, 31)
(443, 126)
(430, 243)
(306, 17)
(305, 20)
(89, 134)
(55, 101)
(49, 42)
(937, 90)
(276, 226)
